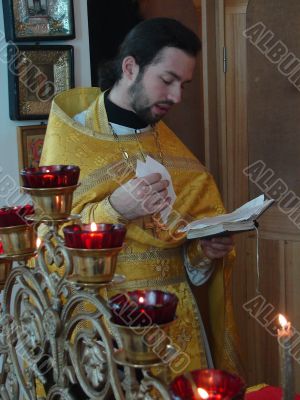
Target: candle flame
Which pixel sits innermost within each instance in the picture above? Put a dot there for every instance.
(203, 393)
(141, 300)
(93, 227)
(38, 242)
(282, 320)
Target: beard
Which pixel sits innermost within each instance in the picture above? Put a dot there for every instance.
(141, 104)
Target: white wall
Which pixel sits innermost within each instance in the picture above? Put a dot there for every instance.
(8, 135)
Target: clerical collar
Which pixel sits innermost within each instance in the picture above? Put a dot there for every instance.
(120, 116)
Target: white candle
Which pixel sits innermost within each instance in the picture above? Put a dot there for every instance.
(284, 334)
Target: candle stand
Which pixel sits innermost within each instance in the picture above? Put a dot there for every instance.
(60, 337)
(56, 334)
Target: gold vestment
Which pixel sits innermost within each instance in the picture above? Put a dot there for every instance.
(149, 259)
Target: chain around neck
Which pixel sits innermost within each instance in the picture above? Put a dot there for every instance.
(136, 137)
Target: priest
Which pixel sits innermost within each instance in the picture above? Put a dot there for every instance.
(105, 132)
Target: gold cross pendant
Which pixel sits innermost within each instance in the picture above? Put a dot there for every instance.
(153, 223)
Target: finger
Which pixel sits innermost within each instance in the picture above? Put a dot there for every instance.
(223, 240)
(220, 246)
(215, 254)
(150, 179)
(153, 201)
(164, 204)
(157, 202)
(160, 206)
(159, 186)
(143, 187)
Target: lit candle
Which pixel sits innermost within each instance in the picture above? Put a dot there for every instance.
(284, 335)
(94, 236)
(209, 384)
(143, 307)
(203, 393)
(51, 176)
(38, 242)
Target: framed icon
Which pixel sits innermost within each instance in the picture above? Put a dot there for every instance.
(35, 75)
(38, 20)
(30, 144)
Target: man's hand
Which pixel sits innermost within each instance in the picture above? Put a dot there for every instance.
(141, 196)
(217, 247)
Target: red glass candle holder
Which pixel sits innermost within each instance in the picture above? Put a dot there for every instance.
(211, 384)
(15, 216)
(52, 176)
(143, 308)
(94, 236)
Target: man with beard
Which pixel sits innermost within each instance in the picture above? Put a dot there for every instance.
(105, 133)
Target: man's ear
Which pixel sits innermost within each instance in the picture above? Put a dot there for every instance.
(130, 68)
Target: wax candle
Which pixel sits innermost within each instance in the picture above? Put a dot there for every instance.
(284, 334)
(50, 176)
(94, 236)
(143, 307)
(208, 384)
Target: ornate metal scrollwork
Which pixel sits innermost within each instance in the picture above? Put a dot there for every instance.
(56, 340)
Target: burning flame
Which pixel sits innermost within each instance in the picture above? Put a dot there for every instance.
(283, 321)
(141, 300)
(38, 242)
(202, 393)
(93, 227)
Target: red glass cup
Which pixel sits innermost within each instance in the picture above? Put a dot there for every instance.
(211, 384)
(103, 236)
(15, 216)
(143, 308)
(118, 235)
(51, 176)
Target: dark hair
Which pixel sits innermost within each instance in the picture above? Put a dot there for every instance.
(145, 41)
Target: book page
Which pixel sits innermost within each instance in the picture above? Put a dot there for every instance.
(249, 211)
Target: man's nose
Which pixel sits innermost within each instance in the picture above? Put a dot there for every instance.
(175, 94)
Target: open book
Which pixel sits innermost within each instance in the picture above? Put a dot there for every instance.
(242, 219)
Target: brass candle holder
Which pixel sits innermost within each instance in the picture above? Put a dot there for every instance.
(52, 203)
(5, 268)
(145, 344)
(18, 240)
(93, 265)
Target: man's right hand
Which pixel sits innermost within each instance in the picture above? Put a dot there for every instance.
(141, 196)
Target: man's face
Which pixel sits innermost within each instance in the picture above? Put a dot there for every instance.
(160, 85)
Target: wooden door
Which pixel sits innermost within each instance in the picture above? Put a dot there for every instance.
(244, 134)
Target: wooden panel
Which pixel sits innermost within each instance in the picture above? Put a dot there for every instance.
(292, 293)
(279, 236)
(260, 349)
(275, 224)
(210, 86)
(236, 106)
(273, 120)
(236, 6)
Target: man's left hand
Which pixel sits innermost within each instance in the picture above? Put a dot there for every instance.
(217, 247)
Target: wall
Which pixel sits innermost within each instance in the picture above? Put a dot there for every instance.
(8, 138)
(186, 119)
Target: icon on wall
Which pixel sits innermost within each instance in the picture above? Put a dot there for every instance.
(35, 75)
(30, 144)
(38, 20)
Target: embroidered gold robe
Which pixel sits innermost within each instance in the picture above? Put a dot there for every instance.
(148, 260)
